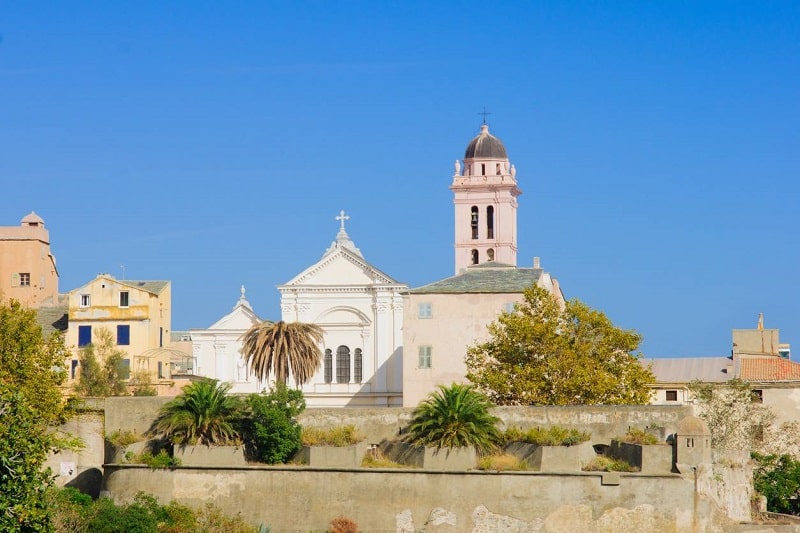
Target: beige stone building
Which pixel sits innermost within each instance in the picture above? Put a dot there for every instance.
(138, 315)
(757, 356)
(28, 270)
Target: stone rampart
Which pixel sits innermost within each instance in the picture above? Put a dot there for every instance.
(307, 499)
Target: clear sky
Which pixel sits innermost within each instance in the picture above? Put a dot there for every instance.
(212, 144)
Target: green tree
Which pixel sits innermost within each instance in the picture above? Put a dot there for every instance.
(283, 348)
(270, 427)
(454, 417)
(204, 413)
(31, 371)
(30, 363)
(541, 354)
(103, 367)
(777, 477)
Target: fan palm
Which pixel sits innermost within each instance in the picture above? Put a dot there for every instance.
(202, 414)
(452, 417)
(283, 348)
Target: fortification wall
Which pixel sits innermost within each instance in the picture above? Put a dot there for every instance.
(307, 499)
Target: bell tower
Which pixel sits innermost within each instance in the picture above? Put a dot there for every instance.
(485, 195)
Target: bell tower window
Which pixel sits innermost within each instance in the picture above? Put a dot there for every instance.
(490, 222)
(483, 169)
(474, 257)
(474, 221)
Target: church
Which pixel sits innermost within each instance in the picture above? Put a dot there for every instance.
(386, 344)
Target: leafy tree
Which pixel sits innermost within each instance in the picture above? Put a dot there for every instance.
(24, 444)
(777, 477)
(31, 364)
(204, 413)
(31, 370)
(453, 417)
(735, 421)
(271, 431)
(283, 348)
(543, 354)
(103, 368)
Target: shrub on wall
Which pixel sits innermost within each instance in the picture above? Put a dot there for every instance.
(270, 431)
(550, 436)
(336, 436)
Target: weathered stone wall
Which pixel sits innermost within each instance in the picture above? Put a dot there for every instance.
(306, 499)
(378, 424)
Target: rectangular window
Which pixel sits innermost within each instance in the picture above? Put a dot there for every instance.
(672, 396)
(160, 337)
(757, 396)
(123, 335)
(425, 356)
(125, 369)
(160, 370)
(86, 300)
(73, 369)
(24, 279)
(123, 299)
(425, 310)
(15, 279)
(508, 307)
(84, 335)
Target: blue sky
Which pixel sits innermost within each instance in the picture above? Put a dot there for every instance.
(213, 143)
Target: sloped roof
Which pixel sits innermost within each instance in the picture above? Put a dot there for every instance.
(768, 369)
(686, 369)
(52, 319)
(489, 277)
(153, 286)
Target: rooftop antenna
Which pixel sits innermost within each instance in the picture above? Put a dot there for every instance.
(484, 113)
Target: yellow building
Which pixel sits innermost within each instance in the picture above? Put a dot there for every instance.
(137, 313)
(27, 267)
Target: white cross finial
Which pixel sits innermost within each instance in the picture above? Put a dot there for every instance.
(342, 217)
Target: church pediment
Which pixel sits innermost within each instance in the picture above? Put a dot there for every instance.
(341, 268)
(240, 318)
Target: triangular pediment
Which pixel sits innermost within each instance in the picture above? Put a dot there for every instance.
(341, 268)
(241, 318)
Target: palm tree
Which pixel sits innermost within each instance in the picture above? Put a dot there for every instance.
(452, 417)
(283, 348)
(202, 414)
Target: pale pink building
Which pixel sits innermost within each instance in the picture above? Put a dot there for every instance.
(442, 319)
(28, 270)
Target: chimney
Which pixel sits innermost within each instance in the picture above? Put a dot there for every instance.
(536, 262)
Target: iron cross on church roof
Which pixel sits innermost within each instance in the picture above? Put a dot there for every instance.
(484, 113)
(342, 217)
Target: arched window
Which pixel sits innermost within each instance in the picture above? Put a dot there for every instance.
(328, 366)
(358, 366)
(342, 364)
(490, 222)
(474, 257)
(490, 254)
(473, 220)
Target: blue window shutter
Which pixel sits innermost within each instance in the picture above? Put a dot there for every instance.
(84, 335)
(123, 335)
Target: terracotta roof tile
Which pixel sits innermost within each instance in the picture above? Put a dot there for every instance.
(768, 369)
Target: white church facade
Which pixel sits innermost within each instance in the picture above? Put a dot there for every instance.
(360, 310)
